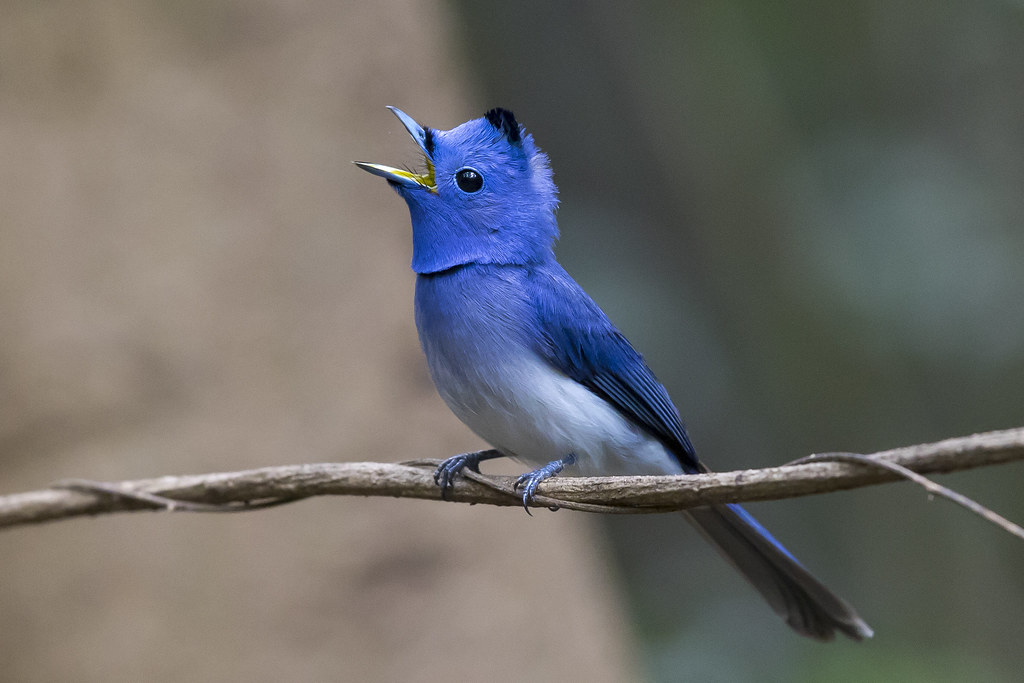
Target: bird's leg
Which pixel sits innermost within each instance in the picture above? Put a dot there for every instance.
(444, 475)
(531, 480)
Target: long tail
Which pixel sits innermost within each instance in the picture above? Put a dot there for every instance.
(803, 601)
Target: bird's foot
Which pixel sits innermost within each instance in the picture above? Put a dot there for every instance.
(531, 480)
(444, 475)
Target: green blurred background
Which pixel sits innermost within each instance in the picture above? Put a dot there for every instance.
(809, 217)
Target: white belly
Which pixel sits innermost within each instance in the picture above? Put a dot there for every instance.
(475, 329)
(535, 414)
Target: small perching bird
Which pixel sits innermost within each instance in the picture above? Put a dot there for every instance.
(526, 359)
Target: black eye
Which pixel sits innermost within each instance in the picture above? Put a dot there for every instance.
(469, 180)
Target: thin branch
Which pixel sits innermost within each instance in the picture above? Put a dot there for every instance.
(250, 489)
(926, 484)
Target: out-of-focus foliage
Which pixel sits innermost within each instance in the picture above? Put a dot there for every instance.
(810, 218)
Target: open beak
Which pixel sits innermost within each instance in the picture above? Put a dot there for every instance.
(399, 176)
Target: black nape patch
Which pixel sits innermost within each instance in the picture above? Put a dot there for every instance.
(505, 122)
(428, 141)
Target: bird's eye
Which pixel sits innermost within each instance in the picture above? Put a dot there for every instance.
(469, 180)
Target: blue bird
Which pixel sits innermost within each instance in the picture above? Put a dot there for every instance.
(526, 359)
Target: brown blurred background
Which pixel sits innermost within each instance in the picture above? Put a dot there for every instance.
(809, 218)
(195, 278)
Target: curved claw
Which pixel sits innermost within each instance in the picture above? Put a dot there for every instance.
(444, 475)
(531, 480)
(529, 483)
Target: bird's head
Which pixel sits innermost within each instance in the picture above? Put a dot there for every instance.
(486, 195)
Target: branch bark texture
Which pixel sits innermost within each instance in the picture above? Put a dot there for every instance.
(250, 489)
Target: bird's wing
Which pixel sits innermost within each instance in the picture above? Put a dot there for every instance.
(580, 341)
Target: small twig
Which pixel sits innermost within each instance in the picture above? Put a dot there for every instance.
(927, 484)
(158, 502)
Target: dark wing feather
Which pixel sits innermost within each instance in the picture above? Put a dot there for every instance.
(579, 340)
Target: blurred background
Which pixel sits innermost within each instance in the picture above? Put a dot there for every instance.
(808, 216)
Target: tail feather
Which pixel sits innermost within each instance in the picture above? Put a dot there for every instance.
(805, 603)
